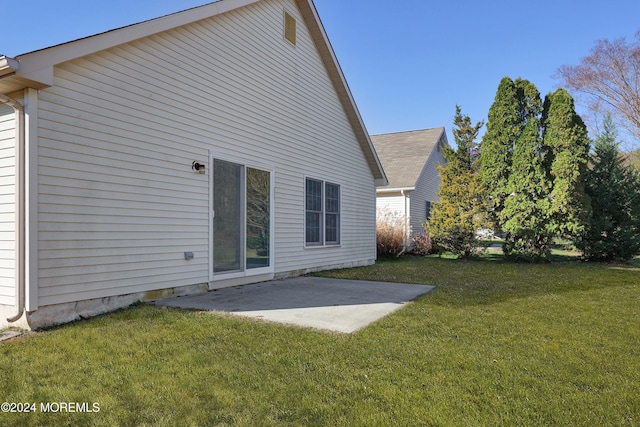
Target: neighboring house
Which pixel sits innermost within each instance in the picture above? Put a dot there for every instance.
(409, 160)
(213, 147)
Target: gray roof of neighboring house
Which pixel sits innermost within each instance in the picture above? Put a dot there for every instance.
(404, 154)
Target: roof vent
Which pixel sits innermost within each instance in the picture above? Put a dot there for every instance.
(289, 28)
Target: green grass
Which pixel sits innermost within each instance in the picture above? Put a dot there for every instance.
(495, 344)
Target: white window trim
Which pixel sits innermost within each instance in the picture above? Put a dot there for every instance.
(323, 244)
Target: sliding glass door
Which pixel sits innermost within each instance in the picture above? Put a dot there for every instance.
(241, 218)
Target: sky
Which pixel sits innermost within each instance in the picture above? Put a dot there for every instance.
(408, 63)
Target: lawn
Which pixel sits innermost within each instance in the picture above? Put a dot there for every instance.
(495, 344)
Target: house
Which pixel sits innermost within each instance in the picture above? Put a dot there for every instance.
(409, 160)
(213, 147)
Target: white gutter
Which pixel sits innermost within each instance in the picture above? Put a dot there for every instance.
(8, 65)
(405, 230)
(395, 190)
(20, 205)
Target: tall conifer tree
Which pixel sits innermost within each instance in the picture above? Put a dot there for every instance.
(565, 137)
(496, 148)
(533, 163)
(613, 232)
(526, 209)
(459, 214)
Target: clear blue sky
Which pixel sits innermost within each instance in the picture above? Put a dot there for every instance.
(407, 62)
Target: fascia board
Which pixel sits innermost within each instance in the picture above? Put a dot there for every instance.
(336, 75)
(395, 190)
(39, 63)
(8, 65)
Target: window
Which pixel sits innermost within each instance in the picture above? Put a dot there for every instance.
(313, 207)
(290, 28)
(322, 213)
(427, 214)
(332, 214)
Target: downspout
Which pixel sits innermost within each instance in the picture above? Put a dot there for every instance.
(20, 205)
(404, 235)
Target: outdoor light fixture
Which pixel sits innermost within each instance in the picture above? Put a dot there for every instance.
(198, 167)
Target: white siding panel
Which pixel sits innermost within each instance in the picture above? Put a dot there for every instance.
(395, 204)
(7, 206)
(427, 189)
(118, 201)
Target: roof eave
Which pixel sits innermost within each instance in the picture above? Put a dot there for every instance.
(395, 189)
(8, 65)
(314, 24)
(36, 68)
(443, 141)
(13, 80)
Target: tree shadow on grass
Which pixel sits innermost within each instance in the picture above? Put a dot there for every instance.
(484, 282)
(491, 279)
(635, 262)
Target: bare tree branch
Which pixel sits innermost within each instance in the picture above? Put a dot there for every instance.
(609, 77)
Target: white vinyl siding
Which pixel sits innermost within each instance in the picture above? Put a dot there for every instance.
(427, 189)
(118, 201)
(7, 205)
(394, 204)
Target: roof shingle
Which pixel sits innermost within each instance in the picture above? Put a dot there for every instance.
(404, 154)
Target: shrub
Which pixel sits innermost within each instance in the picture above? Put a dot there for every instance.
(390, 232)
(422, 244)
(459, 241)
(527, 249)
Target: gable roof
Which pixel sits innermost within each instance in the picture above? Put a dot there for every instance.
(405, 154)
(35, 69)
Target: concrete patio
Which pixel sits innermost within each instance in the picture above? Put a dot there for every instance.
(331, 304)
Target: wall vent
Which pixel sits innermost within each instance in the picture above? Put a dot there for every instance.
(289, 28)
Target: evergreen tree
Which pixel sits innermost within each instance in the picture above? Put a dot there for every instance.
(613, 232)
(633, 159)
(567, 145)
(503, 127)
(526, 207)
(514, 169)
(533, 163)
(458, 215)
